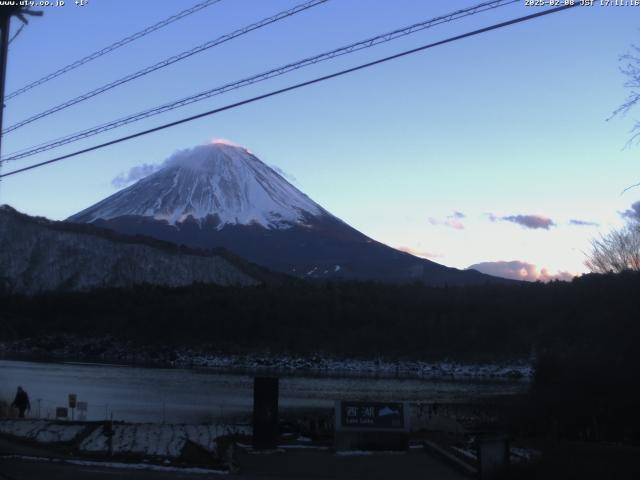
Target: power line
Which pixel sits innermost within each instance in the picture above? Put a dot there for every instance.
(114, 46)
(294, 87)
(368, 43)
(15, 35)
(169, 61)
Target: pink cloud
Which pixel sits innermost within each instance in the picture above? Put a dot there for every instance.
(224, 141)
(517, 270)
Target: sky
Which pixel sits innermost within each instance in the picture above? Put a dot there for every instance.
(494, 151)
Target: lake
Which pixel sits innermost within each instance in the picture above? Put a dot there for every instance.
(138, 394)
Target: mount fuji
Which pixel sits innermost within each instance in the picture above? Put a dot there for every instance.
(221, 195)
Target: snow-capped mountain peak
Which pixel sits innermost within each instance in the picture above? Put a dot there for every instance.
(217, 180)
(242, 205)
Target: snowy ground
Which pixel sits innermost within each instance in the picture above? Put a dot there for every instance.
(156, 440)
(163, 441)
(42, 431)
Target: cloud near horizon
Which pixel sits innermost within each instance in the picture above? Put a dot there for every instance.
(453, 221)
(534, 221)
(518, 270)
(583, 223)
(530, 221)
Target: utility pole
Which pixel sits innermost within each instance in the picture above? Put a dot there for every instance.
(5, 23)
(6, 12)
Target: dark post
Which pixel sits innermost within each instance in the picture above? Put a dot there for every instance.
(493, 456)
(5, 21)
(265, 412)
(107, 431)
(6, 13)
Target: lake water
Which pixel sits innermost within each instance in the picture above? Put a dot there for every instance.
(196, 395)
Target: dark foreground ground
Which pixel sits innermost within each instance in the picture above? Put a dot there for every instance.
(569, 461)
(292, 464)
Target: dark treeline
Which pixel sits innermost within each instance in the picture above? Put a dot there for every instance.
(593, 314)
(584, 335)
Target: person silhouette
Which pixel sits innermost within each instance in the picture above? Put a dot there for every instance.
(21, 402)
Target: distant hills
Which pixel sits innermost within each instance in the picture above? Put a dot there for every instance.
(38, 255)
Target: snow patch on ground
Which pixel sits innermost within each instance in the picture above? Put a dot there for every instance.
(524, 455)
(157, 440)
(517, 454)
(466, 452)
(42, 431)
(143, 439)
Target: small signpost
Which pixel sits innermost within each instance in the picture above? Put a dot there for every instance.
(62, 413)
(372, 425)
(82, 410)
(73, 400)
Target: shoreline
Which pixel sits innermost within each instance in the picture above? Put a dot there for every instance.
(320, 365)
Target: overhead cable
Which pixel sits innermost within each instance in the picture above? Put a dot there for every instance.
(112, 47)
(353, 47)
(293, 87)
(166, 62)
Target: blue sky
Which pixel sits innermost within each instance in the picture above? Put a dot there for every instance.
(509, 123)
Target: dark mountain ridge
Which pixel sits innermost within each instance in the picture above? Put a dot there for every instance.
(37, 254)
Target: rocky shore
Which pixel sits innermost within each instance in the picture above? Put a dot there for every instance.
(110, 350)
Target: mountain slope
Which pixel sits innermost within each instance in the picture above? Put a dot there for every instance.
(216, 180)
(39, 255)
(219, 195)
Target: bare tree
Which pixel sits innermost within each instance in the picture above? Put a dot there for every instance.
(617, 251)
(630, 68)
